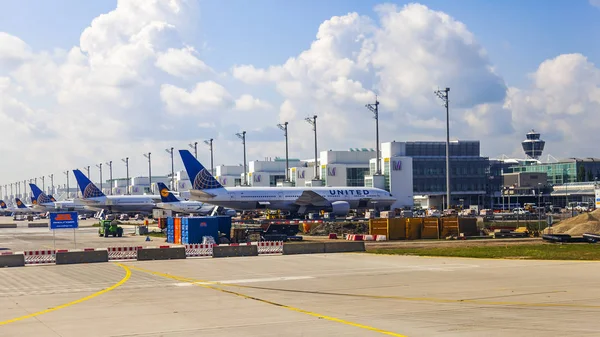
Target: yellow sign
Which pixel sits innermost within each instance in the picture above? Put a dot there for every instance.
(386, 160)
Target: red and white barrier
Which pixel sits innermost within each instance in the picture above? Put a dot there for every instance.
(122, 253)
(270, 247)
(39, 256)
(194, 250)
(355, 237)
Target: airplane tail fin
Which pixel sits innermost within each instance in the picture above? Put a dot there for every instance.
(51, 198)
(20, 204)
(2, 204)
(165, 194)
(87, 187)
(199, 176)
(39, 197)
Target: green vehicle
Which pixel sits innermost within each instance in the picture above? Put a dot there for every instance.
(109, 227)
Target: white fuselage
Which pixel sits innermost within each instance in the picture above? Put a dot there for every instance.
(66, 205)
(186, 206)
(285, 198)
(122, 203)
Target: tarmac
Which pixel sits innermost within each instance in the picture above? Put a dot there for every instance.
(23, 238)
(347, 294)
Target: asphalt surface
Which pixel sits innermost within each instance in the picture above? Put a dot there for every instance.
(23, 238)
(304, 295)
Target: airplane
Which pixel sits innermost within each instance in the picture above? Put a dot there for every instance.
(94, 199)
(171, 202)
(4, 208)
(298, 200)
(21, 207)
(44, 202)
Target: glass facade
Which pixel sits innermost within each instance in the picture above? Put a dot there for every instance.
(273, 179)
(438, 149)
(565, 172)
(355, 176)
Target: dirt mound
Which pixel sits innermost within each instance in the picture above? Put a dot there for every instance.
(579, 225)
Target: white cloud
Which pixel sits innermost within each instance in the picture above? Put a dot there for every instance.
(595, 3)
(181, 63)
(205, 96)
(247, 102)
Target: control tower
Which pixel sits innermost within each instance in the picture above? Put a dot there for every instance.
(533, 145)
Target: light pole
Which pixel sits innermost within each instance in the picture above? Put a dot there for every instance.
(242, 136)
(375, 109)
(210, 144)
(539, 206)
(284, 127)
(126, 161)
(43, 183)
(443, 95)
(67, 174)
(170, 151)
(194, 146)
(112, 183)
(99, 166)
(51, 176)
(149, 171)
(88, 172)
(313, 121)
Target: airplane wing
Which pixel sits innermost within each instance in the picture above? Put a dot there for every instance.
(310, 198)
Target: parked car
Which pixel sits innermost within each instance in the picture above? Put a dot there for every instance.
(521, 211)
(124, 217)
(82, 217)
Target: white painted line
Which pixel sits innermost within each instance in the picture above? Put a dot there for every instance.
(272, 279)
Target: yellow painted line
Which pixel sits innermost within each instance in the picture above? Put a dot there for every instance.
(208, 284)
(205, 284)
(62, 306)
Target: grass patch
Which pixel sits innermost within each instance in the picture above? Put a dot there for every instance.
(157, 234)
(580, 251)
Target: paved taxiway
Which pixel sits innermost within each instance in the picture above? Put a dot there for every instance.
(303, 295)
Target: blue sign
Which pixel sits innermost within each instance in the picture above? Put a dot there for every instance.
(64, 220)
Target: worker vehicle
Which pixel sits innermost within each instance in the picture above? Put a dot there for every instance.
(109, 227)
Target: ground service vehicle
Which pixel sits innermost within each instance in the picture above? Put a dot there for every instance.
(108, 227)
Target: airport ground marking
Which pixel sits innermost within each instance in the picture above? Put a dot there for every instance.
(83, 299)
(214, 286)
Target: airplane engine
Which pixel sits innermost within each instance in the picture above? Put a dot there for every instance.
(340, 208)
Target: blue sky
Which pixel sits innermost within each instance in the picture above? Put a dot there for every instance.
(144, 87)
(518, 35)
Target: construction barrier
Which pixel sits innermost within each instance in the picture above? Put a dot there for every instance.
(8, 259)
(195, 250)
(39, 256)
(163, 253)
(355, 237)
(303, 248)
(270, 247)
(235, 251)
(85, 256)
(37, 225)
(122, 253)
(343, 247)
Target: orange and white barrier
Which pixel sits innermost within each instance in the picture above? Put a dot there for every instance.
(195, 250)
(122, 253)
(39, 256)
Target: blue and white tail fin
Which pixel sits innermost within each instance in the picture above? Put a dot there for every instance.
(2, 204)
(51, 198)
(39, 197)
(88, 189)
(199, 176)
(19, 203)
(165, 194)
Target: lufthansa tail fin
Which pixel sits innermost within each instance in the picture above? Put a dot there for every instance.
(20, 204)
(2, 204)
(88, 189)
(199, 176)
(165, 194)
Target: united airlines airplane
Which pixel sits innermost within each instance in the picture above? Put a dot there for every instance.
(94, 199)
(299, 200)
(44, 202)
